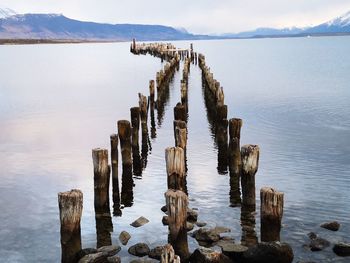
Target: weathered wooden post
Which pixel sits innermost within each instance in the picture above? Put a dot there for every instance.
(168, 255)
(71, 206)
(151, 90)
(180, 112)
(135, 123)
(181, 138)
(235, 163)
(250, 163)
(177, 202)
(124, 132)
(143, 113)
(115, 179)
(271, 212)
(175, 166)
(103, 218)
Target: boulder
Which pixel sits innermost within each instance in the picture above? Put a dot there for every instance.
(139, 222)
(192, 215)
(165, 220)
(189, 226)
(164, 209)
(205, 255)
(333, 226)
(318, 244)
(201, 224)
(156, 252)
(109, 250)
(114, 259)
(99, 257)
(124, 237)
(342, 249)
(269, 252)
(312, 235)
(233, 251)
(86, 251)
(139, 250)
(206, 235)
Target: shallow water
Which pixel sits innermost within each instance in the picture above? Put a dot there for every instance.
(57, 102)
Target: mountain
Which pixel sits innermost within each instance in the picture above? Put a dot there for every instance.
(338, 25)
(265, 31)
(56, 26)
(6, 12)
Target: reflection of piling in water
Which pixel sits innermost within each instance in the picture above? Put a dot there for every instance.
(234, 159)
(175, 166)
(115, 179)
(271, 212)
(222, 138)
(152, 106)
(135, 125)
(124, 131)
(101, 186)
(71, 206)
(250, 163)
(177, 202)
(143, 113)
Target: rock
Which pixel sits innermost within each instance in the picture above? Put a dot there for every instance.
(333, 226)
(189, 226)
(114, 259)
(233, 251)
(164, 209)
(342, 249)
(109, 250)
(269, 252)
(94, 258)
(140, 250)
(140, 222)
(124, 237)
(318, 244)
(165, 220)
(86, 251)
(192, 215)
(142, 260)
(312, 235)
(156, 252)
(221, 229)
(206, 235)
(205, 255)
(201, 224)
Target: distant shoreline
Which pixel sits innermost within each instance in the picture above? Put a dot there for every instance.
(52, 41)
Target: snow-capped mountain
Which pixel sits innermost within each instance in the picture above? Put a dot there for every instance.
(6, 12)
(335, 26)
(341, 21)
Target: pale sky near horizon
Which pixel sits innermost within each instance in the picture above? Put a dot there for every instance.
(201, 16)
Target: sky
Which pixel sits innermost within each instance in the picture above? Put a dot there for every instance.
(197, 16)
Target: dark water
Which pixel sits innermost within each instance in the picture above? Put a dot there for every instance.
(57, 102)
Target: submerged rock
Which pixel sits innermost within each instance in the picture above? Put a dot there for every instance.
(201, 224)
(233, 251)
(269, 252)
(139, 249)
(139, 222)
(124, 237)
(312, 235)
(318, 244)
(206, 235)
(99, 257)
(114, 259)
(192, 215)
(342, 249)
(205, 255)
(86, 251)
(109, 250)
(333, 226)
(156, 252)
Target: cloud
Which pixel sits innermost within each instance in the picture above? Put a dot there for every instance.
(204, 16)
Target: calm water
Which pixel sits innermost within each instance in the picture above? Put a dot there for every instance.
(57, 102)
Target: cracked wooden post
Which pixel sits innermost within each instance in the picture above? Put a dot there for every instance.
(135, 126)
(179, 124)
(177, 202)
(168, 255)
(115, 179)
(271, 212)
(71, 206)
(175, 167)
(235, 163)
(181, 138)
(180, 112)
(250, 163)
(124, 132)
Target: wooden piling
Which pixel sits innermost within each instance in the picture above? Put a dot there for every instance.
(271, 212)
(250, 163)
(168, 255)
(177, 202)
(71, 207)
(181, 138)
(175, 166)
(151, 90)
(115, 179)
(180, 112)
(124, 132)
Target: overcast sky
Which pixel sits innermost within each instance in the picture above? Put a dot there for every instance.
(197, 16)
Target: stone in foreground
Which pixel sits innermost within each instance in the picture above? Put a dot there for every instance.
(109, 251)
(140, 222)
(205, 255)
(124, 237)
(333, 226)
(269, 252)
(342, 249)
(139, 250)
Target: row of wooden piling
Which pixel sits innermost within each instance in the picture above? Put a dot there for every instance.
(242, 162)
